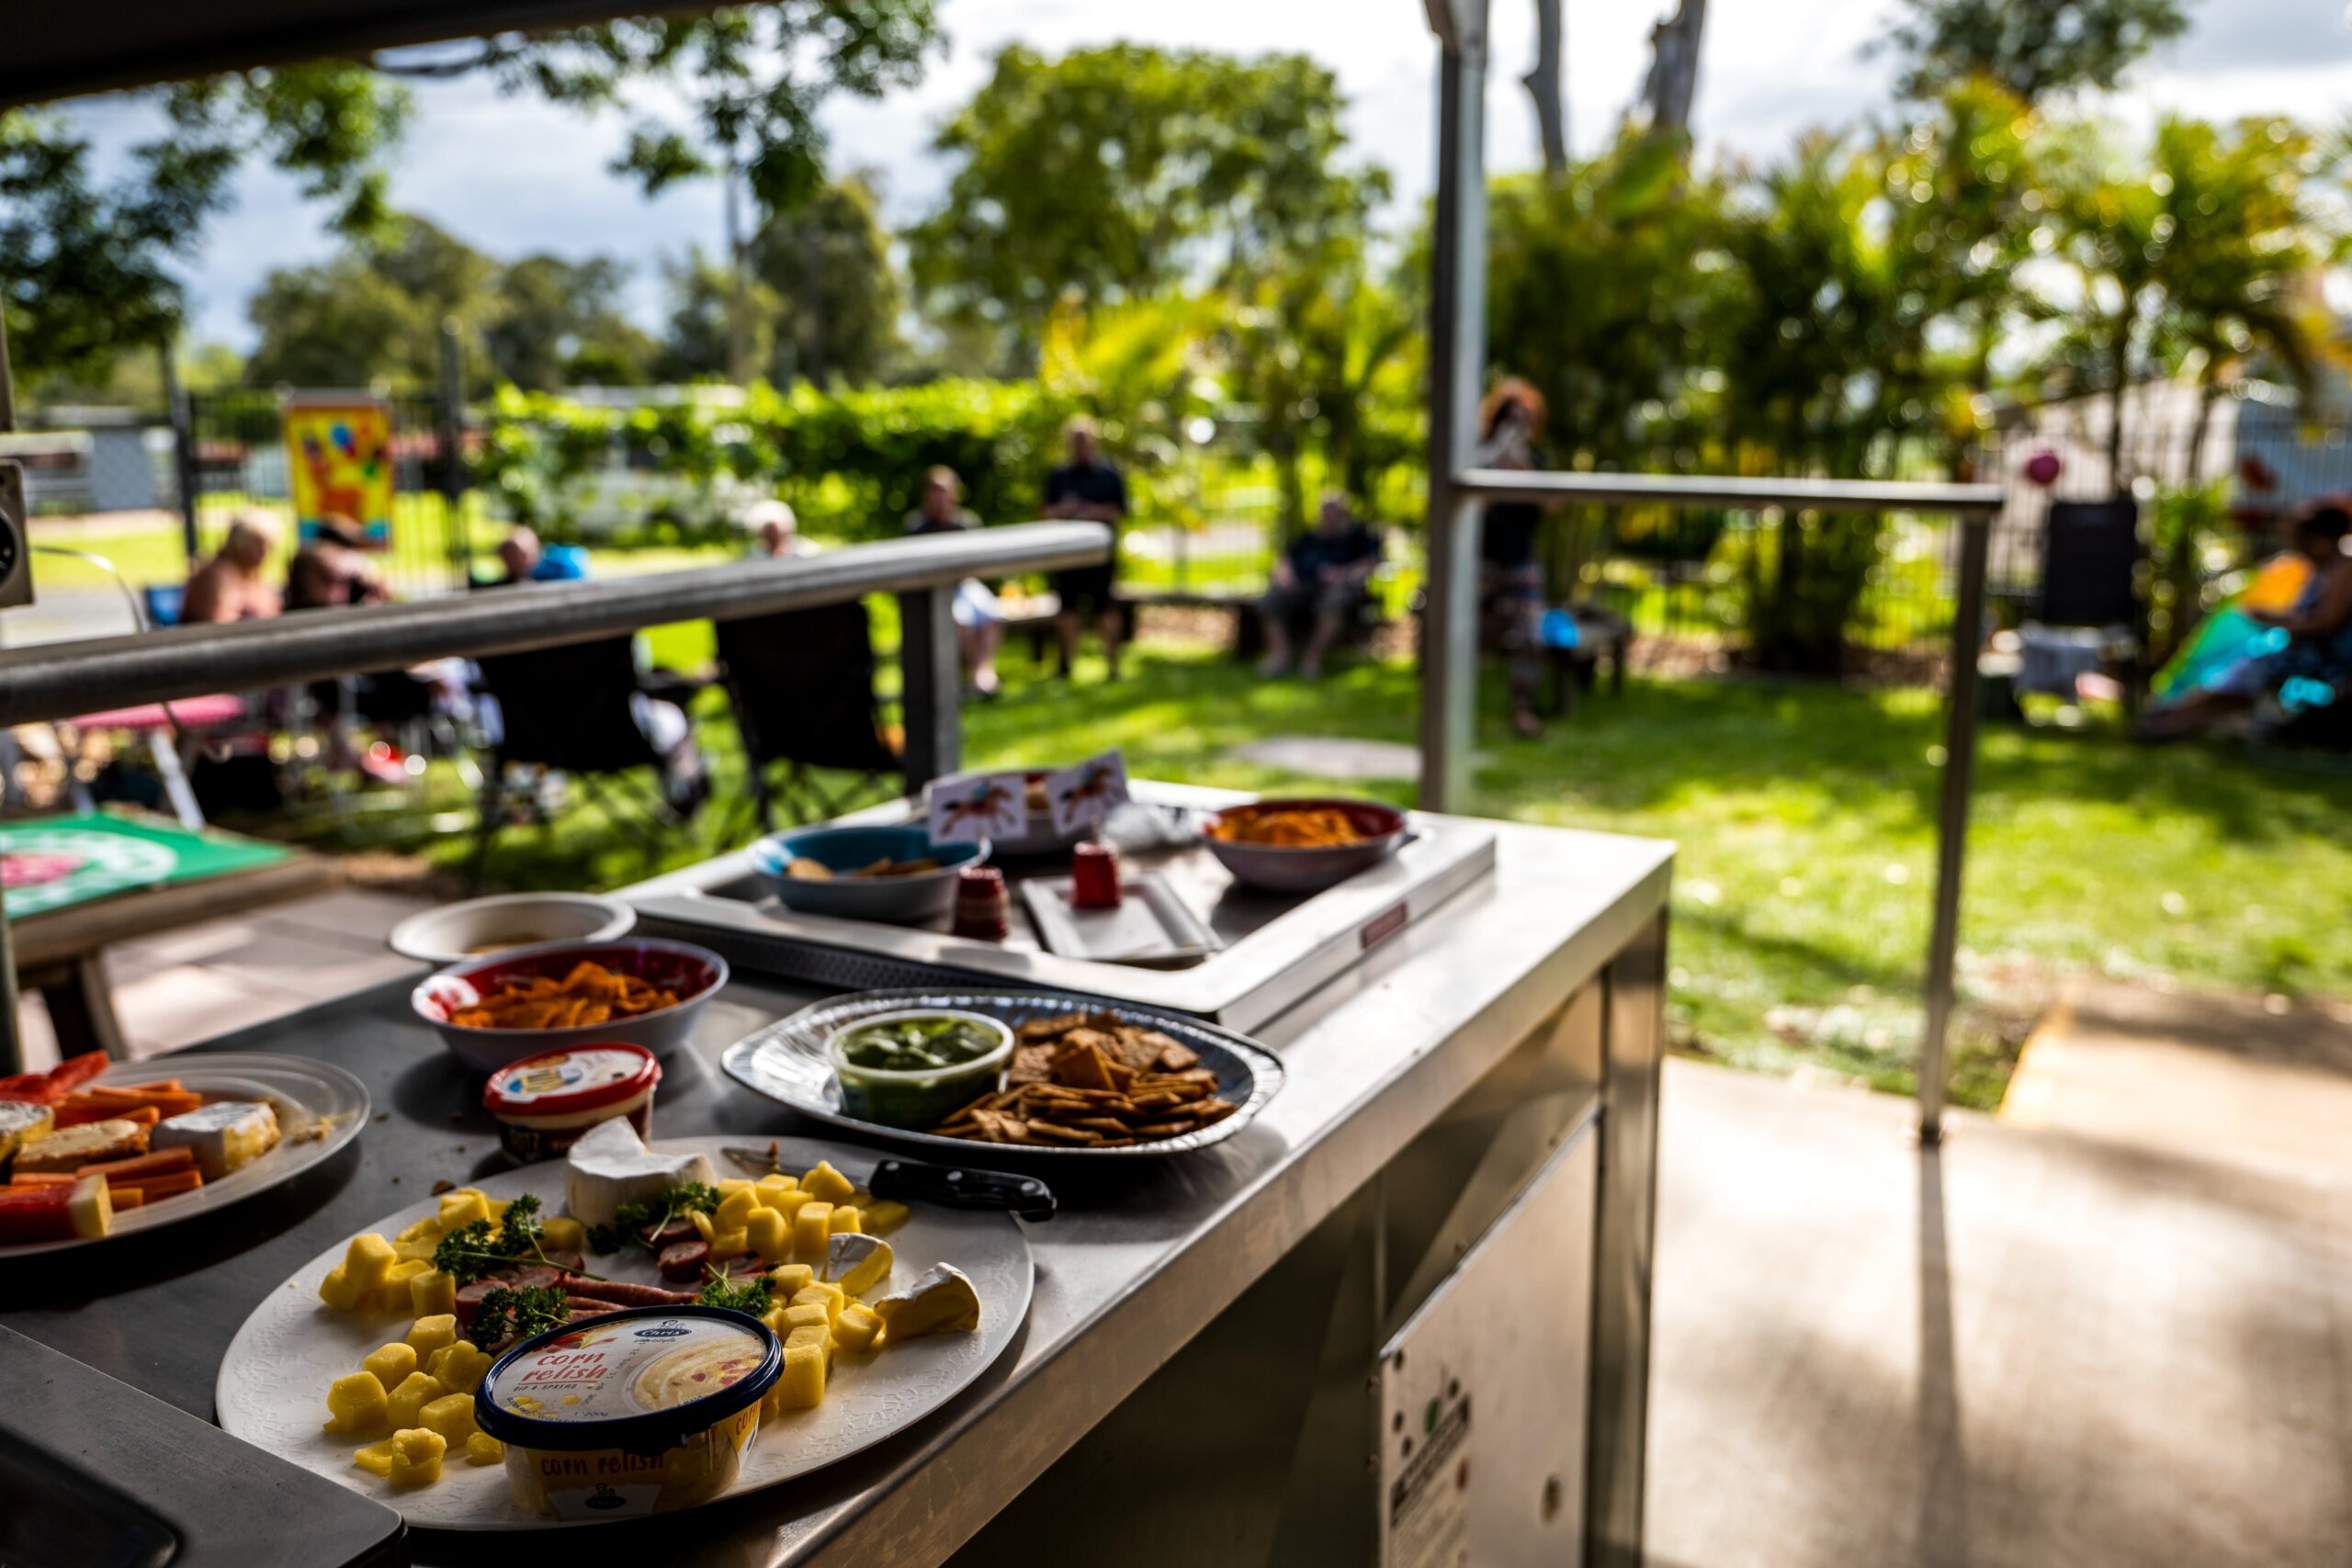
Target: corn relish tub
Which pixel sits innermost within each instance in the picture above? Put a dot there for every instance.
(544, 1103)
(639, 1411)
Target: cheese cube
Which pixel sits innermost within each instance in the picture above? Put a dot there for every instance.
(827, 1184)
(458, 1369)
(561, 1233)
(452, 1416)
(432, 1294)
(376, 1459)
(857, 1327)
(882, 1215)
(804, 1315)
(416, 1457)
(774, 1318)
(732, 1185)
(774, 1185)
(768, 1234)
(498, 1207)
(814, 1337)
(394, 1296)
(735, 1210)
(225, 1135)
(462, 1207)
(411, 1396)
(437, 1332)
(390, 1365)
(789, 1280)
(802, 1386)
(728, 1244)
(829, 1297)
(420, 1250)
(338, 1291)
(788, 1201)
(425, 1229)
(483, 1448)
(857, 1263)
(368, 1260)
(356, 1403)
(811, 1226)
(703, 1227)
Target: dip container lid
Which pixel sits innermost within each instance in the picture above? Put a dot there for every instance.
(577, 1078)
(644, 1379)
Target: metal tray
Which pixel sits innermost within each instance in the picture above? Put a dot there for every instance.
(1152, 927)
(1278, 947)
(787, 1062)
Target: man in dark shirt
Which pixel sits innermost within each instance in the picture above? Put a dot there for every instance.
(1326, 575)
(1089, 490)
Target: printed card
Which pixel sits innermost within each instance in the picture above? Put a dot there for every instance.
(981, 805)
(1081, 796)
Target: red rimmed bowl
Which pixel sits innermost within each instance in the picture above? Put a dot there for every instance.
(695, 974)
(1288, 869)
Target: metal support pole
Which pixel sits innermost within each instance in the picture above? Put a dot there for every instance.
(12, 1044)
(1449, 647)
(450, 435)
(176, 409)
(1951, 817)
(930, 686)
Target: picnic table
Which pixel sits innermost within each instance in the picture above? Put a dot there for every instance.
(77, 885)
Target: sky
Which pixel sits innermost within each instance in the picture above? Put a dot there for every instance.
(513, 175)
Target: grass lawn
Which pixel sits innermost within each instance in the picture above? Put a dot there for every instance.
(1805, 818)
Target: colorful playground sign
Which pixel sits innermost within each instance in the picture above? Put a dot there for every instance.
(339, 463)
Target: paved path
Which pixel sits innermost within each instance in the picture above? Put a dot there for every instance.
(2033, 1348)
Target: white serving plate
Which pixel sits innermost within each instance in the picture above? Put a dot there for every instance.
(273, 1386)
(484, 927)
(1152, 927)
(320, 1108)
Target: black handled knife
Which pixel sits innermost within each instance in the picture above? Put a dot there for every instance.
(949, 1186)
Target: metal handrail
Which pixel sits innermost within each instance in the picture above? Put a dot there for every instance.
(1679, 490)
(54, 680)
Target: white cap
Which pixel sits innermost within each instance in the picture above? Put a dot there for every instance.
(760, 513)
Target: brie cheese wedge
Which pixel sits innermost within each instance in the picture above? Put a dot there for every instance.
(857, 1262)
(941, 1300)
(610, 1166)
(224, 1135)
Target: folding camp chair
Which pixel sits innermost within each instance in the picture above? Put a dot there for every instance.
(2091, 556)
(801, 685)
(569, 710)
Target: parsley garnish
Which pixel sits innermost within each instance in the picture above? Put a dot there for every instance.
(633, 1222)
(506, 1314)
(751, 1295)
(472, 1250)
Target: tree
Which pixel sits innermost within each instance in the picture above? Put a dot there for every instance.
(2028, 47)
(87, 261)
(375, 311)
(2189, 256)
(87, 264)
(559, 323)
(1121, 172)
(1673, 81)
(697, 342)
(828, 266)
(1543, 84)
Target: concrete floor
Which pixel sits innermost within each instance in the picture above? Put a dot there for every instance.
(2031, 1348)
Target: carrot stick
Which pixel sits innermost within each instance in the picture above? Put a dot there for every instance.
(44, 1178)
(167, 1185)
(71, 1115)
(162, 1162)
(161, 1086)
(123, 1198)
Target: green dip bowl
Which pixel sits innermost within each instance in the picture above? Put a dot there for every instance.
(885, 1080)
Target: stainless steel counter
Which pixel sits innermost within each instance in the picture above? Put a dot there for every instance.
(1140, 1263)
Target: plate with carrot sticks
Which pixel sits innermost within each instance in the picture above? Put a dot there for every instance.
(95, 1149)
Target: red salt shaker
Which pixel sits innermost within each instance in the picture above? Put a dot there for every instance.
(983, 908)
(1094, 877)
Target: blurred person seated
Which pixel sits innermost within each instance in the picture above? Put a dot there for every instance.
(774, 529)
(1322, 583)
(518, 557)
(980, 619)
(229, 587)
(1089, 490)
(2310, 642)
(332, 569)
